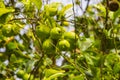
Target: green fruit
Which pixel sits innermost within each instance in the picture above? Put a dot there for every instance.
(11, 46)
(42, 32)
(48, 45)
(70, 36)
(56, 33)
(63, 45)
(7, 30)
(20, 73)
(52, 11)
(26, 76)
(65, 23)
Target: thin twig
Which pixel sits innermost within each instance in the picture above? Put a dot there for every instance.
(106, 19)
(86, 6)
(35, 68)
(74, 65)
(75, 28)
(40, 45)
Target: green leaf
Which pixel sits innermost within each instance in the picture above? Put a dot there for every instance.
(78, 77)
(116, 14)
(89, 60)
(11, 45)
(54, 76)
(5, 18)
(116, 68)
(65, 8)
(38, 3)
(111, 59)
(55, 4)
(4, 11)
(2, 4)
(49, 72)
(29, 65)
(101, 9)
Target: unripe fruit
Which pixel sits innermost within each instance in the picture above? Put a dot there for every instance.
(70, 36)
(113, 5)
(48, 45)
(7, 30)
(56, 33)
(42, 32)
(11, 46)
(25, 76)
(52, 11)
(65, 23)
(20, 73)
(63, 45)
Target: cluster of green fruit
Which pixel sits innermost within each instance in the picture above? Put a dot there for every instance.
(56, 38)
(53, 11)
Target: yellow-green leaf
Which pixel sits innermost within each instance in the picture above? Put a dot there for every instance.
(38, 3)
(65, 8)
(49, 72)
(2, 4)
(4, 11)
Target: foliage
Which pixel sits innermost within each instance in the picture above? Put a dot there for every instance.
(35, 38)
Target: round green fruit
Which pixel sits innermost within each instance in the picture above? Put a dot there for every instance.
(63, 45)
(20, 73)
(7, 30)
(113, 5)
(56, 33)
(42, 32)
(70, 36)
(25, 76)
(11, 46)
(52, 11)
(48, 45)
(65, 23)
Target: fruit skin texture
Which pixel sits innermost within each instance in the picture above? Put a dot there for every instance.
(48, 45)
(7, 30)
(113, 5)
(42, 32)
(63, 45)
(56, 33)
(72, 38)
(26, 76)
(20, 73)
(65, 23)
(52, 11)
